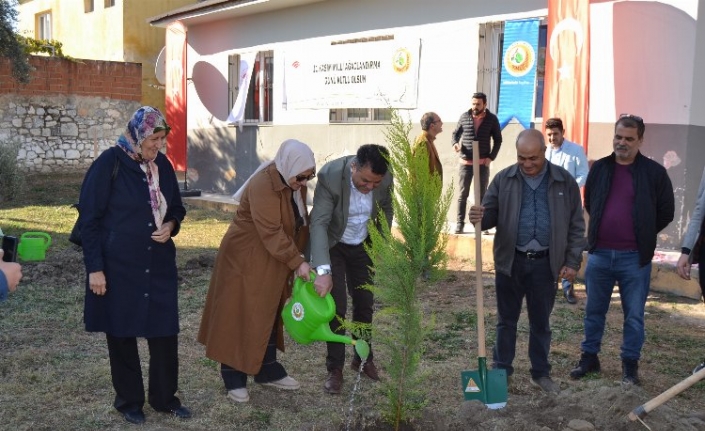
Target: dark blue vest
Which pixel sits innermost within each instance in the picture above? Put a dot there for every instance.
(534, 217)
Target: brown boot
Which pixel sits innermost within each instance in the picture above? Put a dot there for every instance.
(334, 382)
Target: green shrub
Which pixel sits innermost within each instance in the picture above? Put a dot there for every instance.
(404, 265)
(12, 178)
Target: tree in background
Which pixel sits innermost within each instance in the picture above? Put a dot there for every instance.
(404, 265)
(12, 47)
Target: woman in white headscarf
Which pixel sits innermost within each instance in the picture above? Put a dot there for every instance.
(251, 280)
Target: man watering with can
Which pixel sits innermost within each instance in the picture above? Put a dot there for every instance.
(537, 210)
(350, 192)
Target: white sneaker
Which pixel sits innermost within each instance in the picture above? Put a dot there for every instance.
(239, 395)
(286, 383)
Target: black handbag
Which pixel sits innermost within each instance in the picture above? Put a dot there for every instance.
(75, 236)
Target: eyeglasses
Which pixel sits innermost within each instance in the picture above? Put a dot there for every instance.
(300, 178)
(633, 117)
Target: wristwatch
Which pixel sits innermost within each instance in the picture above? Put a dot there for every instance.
(323, 271)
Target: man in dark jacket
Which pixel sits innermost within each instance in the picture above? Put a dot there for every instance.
(536, 209)
(477, 124)
(630, 200)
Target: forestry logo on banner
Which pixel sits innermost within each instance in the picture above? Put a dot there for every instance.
(519, 58)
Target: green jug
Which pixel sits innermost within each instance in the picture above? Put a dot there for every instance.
(33, 246)
(307, 317)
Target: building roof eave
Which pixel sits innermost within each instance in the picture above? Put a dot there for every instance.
(215, 10)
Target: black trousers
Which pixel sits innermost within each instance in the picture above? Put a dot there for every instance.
(271, 370)
(531, 279)
(351, 269)
(126, 373)
(465, 178)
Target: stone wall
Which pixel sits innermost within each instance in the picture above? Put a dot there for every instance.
(68, 113)
(61, 133)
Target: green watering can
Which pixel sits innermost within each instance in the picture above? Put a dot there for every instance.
(307, 316)
(33, 246)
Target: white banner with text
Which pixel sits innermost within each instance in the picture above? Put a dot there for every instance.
(379, 74)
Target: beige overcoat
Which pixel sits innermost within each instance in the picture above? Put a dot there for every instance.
(252, 274)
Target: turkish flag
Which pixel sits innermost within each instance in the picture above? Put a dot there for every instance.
(176, 95)
(567, 76)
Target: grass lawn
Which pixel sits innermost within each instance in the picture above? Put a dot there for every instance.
(55, 376)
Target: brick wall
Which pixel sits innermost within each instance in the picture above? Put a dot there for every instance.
(53, 75)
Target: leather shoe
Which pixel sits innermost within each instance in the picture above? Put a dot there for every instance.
(181, 412)
(334, 382)
(570, 296)
(459, 228)
(369, 369)
(135, 417)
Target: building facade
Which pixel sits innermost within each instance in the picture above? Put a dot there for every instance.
(643, 61)
(109, 30)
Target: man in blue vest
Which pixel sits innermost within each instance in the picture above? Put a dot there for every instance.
(537, 211)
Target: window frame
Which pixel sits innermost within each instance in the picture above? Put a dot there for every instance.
(352, 115)
(263, 90)
(43, 22)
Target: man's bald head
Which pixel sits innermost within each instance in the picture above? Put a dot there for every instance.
(531, 152)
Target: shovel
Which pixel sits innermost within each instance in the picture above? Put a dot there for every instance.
(644, 409)
(488, 386)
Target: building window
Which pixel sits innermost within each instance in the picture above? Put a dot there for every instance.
(259, 106)
(44, 26)
(360, 115)
(109, 3)
(88, 6)
(489, 64)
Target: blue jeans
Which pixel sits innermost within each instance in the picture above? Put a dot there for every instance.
(566, 284)
(534, 280)
(604, 268)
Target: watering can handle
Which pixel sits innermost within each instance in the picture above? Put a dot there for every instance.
(299, 283)
(45, 235)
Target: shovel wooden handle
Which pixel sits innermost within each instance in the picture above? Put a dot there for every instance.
(644, 409)
(478, 253)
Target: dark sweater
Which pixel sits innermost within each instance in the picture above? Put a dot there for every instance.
(654, 203)
(465, 133)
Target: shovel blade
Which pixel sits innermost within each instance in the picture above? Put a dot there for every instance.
(487, 386)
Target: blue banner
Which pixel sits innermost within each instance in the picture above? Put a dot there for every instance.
(518, 74)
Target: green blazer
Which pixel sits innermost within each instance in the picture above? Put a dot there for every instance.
(331, 203)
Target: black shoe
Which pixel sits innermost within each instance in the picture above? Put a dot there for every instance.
(588, 363)
(699, 367)
(181, 412)
(459, 228)
(135, 417)
(630, 372)
(570, 296)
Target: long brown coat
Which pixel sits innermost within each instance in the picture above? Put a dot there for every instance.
(252, 275)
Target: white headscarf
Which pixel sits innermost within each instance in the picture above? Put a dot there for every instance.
(292, 158)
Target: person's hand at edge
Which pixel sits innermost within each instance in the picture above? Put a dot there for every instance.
(323, 284)
(683, 267)
(96, 281)
(12, 271)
